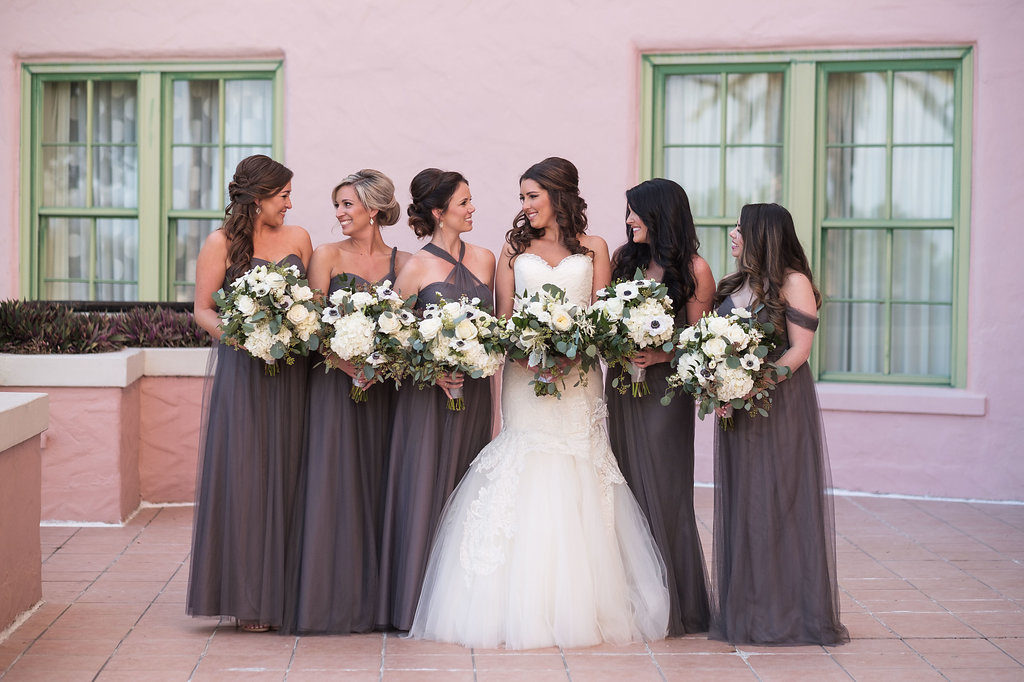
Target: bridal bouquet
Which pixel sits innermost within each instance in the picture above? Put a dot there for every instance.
(371, 328)
(455, 336)
(629, 317)
(549, 333)
(270, 313)
(721, 361)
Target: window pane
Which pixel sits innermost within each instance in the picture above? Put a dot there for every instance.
(923, 106)
(922, 182)
(855, 264)
(713, 248)
(855, 185)
(692, 109)
(117, 250)
(196, 112)
(64, 112)
(921, 339)
(113, 117)
(696, 169)
(189, 238)
(66, 248)
(195, 178)
(66, 291)
(63, 176)
(232, 155)
(248, 112)
(922, 262)
(855, 338)
(115, 177)
(754, 109)
(857, 108)
(752, 175)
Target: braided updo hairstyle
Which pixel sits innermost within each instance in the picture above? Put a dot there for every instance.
(256, 177)
(376, 192)
(561, 180)
(432, 188)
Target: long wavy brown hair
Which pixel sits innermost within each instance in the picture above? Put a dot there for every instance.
(256, 177)
(770, 250)
(561, 180)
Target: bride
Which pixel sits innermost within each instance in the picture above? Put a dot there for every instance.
(542, 544)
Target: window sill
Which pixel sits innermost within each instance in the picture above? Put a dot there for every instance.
(906, 399)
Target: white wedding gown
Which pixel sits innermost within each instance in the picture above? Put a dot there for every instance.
(542, 543)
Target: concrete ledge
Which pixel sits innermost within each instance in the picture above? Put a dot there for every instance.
(901, 399)
(176, 362)
(118, 369)
(22, 416)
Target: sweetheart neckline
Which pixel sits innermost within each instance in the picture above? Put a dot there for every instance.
(279, 261)
(549, 265)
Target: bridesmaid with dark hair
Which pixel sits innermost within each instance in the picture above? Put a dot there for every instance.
(339, 516)
(252, 435)
(774, 537)
(432, 446)
(654, 444)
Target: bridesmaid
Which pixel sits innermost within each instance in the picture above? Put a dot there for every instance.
(432, 446)
(654, 445)
(774, 552)
(253, 425)
(339, 517)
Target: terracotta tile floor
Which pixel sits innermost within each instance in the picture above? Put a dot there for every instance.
(930, 590)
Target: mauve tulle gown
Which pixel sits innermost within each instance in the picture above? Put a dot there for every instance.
(653, 446)
(774, 535)
(431, 449)
(250, 449)
(341, 499)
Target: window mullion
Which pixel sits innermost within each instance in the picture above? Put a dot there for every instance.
(723, 94)
(151, 273)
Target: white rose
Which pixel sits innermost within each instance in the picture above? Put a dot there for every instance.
(741, 312)
(275, 281)
(245, 305)
(430, 327)
(715, 347)
(561, 320)
(465, 330)
(300, 293)
(297, 314)
(361, 299)
(688, 367)
(452, 310)
(389, 323)
(689, 335)
(339, 297)
(613, 307)
(717, 325)
(736, 336)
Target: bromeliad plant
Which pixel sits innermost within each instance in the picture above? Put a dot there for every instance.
(721, 361)
(630, 316)
(455, 336)
(370, 327)
(270, 313)
(550, 334)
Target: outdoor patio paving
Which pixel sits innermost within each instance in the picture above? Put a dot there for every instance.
(930, 590)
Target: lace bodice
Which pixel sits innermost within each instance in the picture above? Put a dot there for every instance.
(574, 274)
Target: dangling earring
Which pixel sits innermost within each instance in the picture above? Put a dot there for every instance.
(371, 222)
(258, 209)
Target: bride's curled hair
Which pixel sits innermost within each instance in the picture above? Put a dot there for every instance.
(770, 251)
(376, 192)
(561, 180)
(431, 189)
(256, 177)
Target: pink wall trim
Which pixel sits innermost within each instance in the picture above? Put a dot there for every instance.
(170, 416)
(20, 554)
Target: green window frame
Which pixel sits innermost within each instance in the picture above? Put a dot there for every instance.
(804, 188)
(154, 213)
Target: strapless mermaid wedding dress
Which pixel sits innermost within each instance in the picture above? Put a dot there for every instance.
(542, 543)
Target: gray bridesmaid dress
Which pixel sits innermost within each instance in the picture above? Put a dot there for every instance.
(431, 449)
(338, 524)
(774, 535)
(653, 445)
(250, 448)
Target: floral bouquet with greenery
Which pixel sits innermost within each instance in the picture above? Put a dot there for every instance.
(550, 334)
(628, 317)
(455, 336)
(720, 361)
(270, 312)
(371, 327)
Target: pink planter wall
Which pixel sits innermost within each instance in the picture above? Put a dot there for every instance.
(20, 557)
(169, 443)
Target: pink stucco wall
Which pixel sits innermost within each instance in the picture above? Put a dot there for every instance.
(169, 437)
(90, 466)
(20, 558)
(488, 88)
